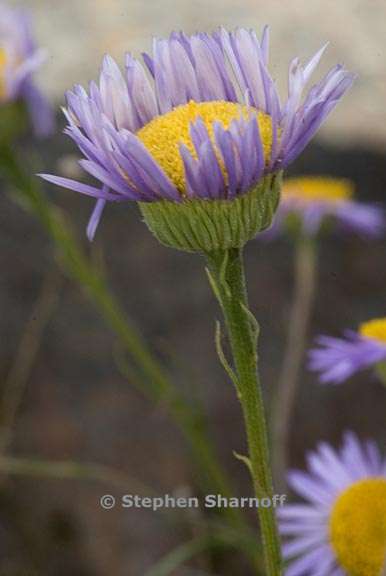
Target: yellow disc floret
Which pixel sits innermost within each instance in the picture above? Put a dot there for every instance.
(318, 189)
(164, 134)
(358, 527)
(374, 329)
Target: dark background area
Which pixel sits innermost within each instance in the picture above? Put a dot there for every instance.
(78, 405)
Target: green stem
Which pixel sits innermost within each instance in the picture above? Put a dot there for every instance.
(216, 538)
(380, 370)
(158, 385)
(227, 278)
(69, 470)
(17, 378)
(155, 381)
(286, 392)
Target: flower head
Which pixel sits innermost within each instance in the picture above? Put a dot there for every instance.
(19, 59)
(205, 122)
(310, 202)
(336, 359)
(341, 529)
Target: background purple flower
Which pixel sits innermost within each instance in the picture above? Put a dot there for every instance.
(336, 359)
(305, 527)
(19, 59)
(311, 202)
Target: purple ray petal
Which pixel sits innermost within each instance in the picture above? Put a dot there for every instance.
(95, 218)
(78, 187)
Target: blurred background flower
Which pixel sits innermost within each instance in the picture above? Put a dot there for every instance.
(20, 58)
(311, 203)
(336, 359)
(310, 208)
(340, 529)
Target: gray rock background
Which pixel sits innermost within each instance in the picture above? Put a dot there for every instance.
(77, 34)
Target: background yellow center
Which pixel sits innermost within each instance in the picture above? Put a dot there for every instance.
(163, 135)
(318, 189)
(374, 329)
(358, 527)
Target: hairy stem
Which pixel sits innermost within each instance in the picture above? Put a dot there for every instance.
(226, 274)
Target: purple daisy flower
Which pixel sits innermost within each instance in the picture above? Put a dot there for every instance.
(336, 359)
(310, 202)
(19, 59)
(203, 121)
(341, 528)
